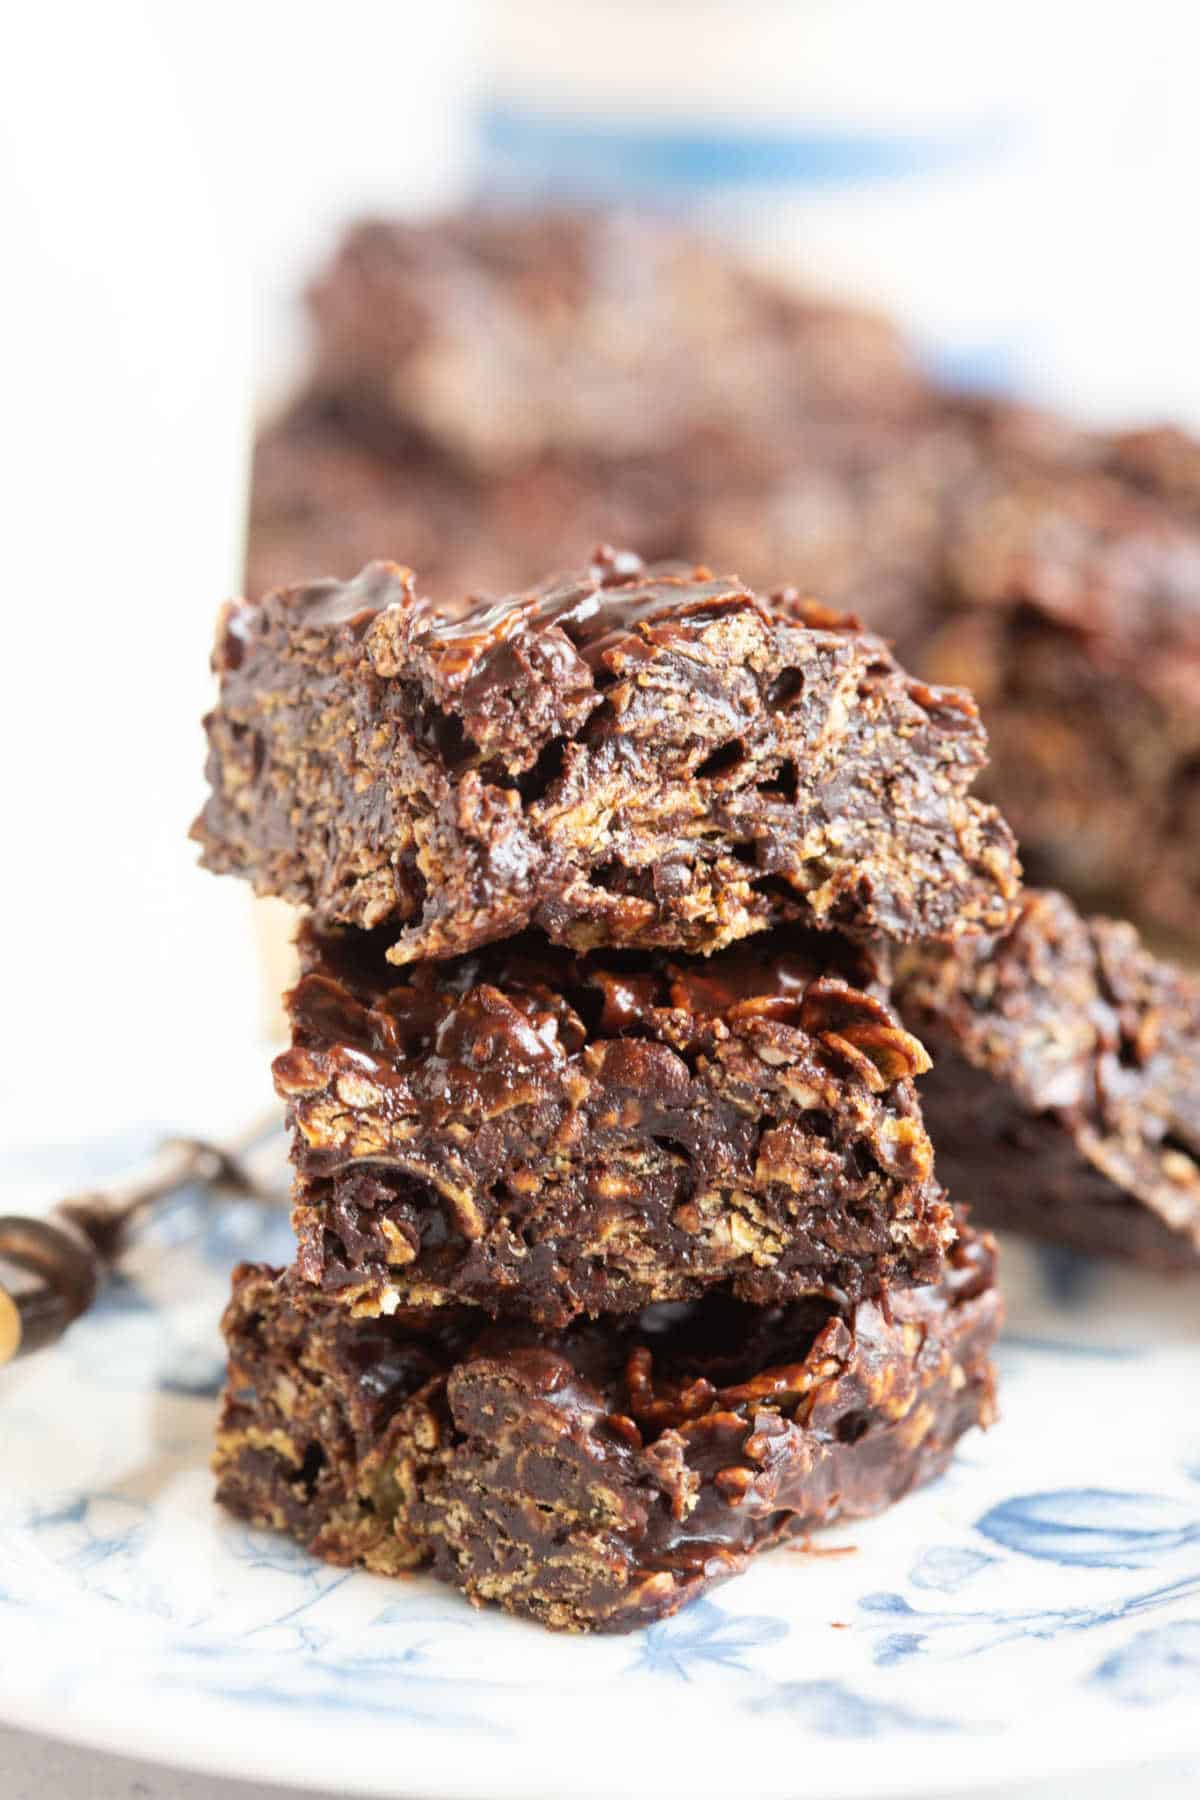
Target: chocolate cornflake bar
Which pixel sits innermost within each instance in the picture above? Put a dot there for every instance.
(602, 1477)
(505, 334)
(324, 503)
(547, 1133)
(633, 756)
(865, 508)
(1161, 460)
(1064, 1097)
(1070, 603)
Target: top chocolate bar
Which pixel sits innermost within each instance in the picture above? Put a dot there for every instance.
(638, 757)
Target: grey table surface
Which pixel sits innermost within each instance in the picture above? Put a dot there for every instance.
(35, 1768)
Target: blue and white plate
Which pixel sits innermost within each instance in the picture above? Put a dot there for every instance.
(1036, 1612)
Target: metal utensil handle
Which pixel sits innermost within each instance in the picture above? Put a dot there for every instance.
(51, 1268)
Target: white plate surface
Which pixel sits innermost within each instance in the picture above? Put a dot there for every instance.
(1037, 1611)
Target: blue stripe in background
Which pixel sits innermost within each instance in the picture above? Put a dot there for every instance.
(528, 152)
(991, 367)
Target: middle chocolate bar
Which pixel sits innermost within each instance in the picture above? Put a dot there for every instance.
(545, 1134)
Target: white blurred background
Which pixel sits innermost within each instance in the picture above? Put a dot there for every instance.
(1017, 182)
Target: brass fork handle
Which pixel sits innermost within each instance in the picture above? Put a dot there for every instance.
(51, 1268)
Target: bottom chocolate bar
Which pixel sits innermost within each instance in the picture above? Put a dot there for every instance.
(600, 1477)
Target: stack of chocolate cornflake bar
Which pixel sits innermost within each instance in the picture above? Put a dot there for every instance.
(621, 1250)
